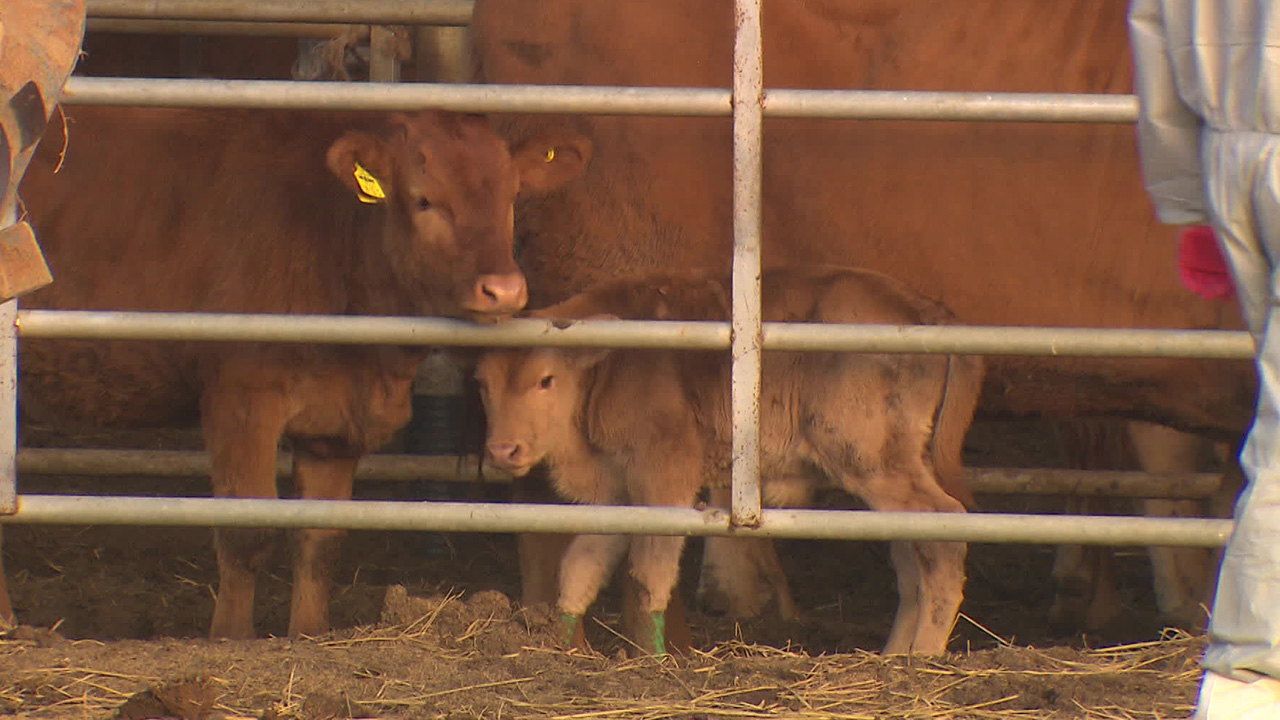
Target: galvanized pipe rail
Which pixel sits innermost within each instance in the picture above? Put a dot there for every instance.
(431, 468)
(600, 100)
(363, 12)
(213, 27)
(505, 517)
(353, 329)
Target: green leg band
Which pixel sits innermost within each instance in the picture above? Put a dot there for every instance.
(659, 632)
(568, 627)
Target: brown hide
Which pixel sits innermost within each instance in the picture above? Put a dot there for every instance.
(258, 212)
(650, 427)
(1019, 224)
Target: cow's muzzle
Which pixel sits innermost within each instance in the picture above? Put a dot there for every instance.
(497, 296)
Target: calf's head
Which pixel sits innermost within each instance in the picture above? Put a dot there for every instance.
(533, 402)
(447, 185)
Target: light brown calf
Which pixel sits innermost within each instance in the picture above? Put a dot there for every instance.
(653, 427)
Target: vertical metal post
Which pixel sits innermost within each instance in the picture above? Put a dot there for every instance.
(8, 389)
(384, 61)
(748, 117)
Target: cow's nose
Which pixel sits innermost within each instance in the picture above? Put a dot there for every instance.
(497, 294)
(507, 454)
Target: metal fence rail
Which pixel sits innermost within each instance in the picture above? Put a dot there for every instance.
(432, 468)
(506, 517)
(925, 339)
(389, 12)
(600, 100)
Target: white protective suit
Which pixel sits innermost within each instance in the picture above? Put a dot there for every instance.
(1208, 81)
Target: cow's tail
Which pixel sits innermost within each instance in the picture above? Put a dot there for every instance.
(961, 389)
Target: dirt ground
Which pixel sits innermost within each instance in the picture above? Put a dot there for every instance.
(113, 621)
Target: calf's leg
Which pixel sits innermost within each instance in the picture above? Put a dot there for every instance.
(242, 431)
(930, 574)
(588, 563)
(741, 576)
(321, 473)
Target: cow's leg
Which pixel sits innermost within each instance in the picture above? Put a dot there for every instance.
(587, 565)
(242, 431)
(1182, 576)
(321, 471)
(1085, 594)
(6, 609)
(740, 576)
(930, 574)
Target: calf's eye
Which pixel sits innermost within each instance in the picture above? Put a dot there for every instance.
(424, 204)
(545, 383)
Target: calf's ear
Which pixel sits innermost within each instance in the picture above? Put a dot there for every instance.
(361, 161)
(546, 162)
(583, 358)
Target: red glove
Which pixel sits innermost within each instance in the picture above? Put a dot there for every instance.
(1201, 266)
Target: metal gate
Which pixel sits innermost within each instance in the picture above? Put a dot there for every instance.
(746, 336)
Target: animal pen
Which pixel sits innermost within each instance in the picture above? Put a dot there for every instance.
(748, 102)
(746, 336)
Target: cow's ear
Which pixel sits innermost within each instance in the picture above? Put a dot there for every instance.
(584, 358)
(361, 161)
(547, 162)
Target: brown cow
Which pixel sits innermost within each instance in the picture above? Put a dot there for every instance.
(1017, 224)
(271, 212)
(652, 427)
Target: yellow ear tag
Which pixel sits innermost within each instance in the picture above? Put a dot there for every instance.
(551, 154)
(370, 189)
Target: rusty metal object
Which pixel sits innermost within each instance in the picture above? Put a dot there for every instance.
(22, 265)
(39, 43)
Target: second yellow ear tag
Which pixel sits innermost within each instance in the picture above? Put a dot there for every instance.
(370, 189)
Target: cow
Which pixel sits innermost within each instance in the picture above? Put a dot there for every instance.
(652, 427)
(270, 212)
(1005, 223)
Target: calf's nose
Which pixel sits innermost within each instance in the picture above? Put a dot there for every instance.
(507, 454)
(499, 293)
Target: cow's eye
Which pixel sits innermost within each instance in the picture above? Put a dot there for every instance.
(545, 382)
(423, 204)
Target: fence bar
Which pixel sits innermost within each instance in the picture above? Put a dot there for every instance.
(1085, 483)
(390, 12)
(355, 329)
(432, 468)
(598, 100)
(385, 97)
(213, 27)
(919, 105)
(8, 405)
(994, 340)
(747, 336)
(503, 517)
(195, 464)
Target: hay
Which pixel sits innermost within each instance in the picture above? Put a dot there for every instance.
(408, 671)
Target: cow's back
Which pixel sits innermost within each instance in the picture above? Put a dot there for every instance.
(174, 210)
(1022, 224)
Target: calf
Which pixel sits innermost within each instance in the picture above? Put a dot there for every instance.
(270, 212)
(652, 427)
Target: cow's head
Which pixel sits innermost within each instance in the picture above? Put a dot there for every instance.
(532, 400)
(447, 184)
